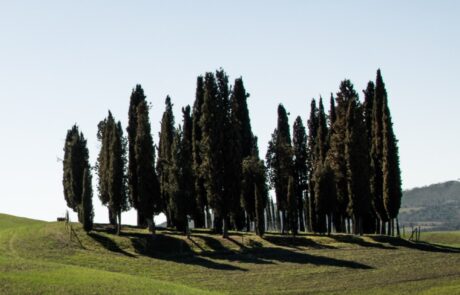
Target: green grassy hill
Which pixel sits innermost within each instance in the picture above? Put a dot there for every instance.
(434, 207)
(40, 258)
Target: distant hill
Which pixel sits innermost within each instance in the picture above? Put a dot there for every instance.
(435, 207)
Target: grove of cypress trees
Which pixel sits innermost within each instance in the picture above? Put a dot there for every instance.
(299, 144)
(148, 192)
(137, 97)
(166, 137)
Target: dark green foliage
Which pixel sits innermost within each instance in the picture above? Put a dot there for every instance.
(357, 161)
(86, 213)
(336, 152)
(164, 160)
(369, 94)
(148, 198)
(241, 138)
(377, 151)
(312, 134)
(76, 160)
(212, 149)
(321, 146)
(392, 193)
(137, 97)
(179, 196)
(279, 162)
(299, 141)
(186, 163)
(325, 196)
(111, 169)
(200, 191)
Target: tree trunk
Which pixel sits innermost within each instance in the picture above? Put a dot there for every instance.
(283, 222)
(112, 217)
(225, 227)
(141, 221)
(329, 223)
(119, 224)
(377, 226)
(151, 225)
(397, 228)
(382, 227)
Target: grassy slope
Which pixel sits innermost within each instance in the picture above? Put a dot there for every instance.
(38, 257)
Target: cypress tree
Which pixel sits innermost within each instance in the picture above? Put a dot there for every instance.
(179, 196)
(311, 140)
(369, 219)
(377, 153)
(212, 122)
(166, 137)
(321, 208)
(299, 140)
(187, 165)
(76, 160)
(325, 194)
(137, 97)
(392, 193)
(118, 189)
(336, 153)
(102, 165)
(86, 211)
(357, 161)
(200, 191)
(279, 163)
(148, 198)
(111, 169)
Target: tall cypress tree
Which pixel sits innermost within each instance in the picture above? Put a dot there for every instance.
(200, 191)
(337, 152)
(212, 148)
(357, 161)
(292, 206)
(148, 198)
(392, 193)
(118, 189)
(164, 160)
(299, 140)
(137, 97)
(241, 146)
(311, 140)
(320, 152)
(279, 163)
(111, 169)
(187, 166)
(76, 160)
(377, 153)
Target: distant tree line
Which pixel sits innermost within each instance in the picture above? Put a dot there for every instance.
(342, 175)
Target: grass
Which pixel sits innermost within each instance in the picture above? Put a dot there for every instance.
(39, 258)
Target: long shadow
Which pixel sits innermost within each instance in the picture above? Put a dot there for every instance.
(423, 246)
(295, 242)
(286, 255)
(359, 241)
(109, 244)
(169, 248)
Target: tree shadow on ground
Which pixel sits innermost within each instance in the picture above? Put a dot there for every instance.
(108, 244)
(423, 246)
(295, 242)
(349, 239)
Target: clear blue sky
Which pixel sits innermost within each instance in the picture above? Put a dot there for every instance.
(63, 62)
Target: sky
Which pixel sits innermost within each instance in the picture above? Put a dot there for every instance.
(66, 62)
